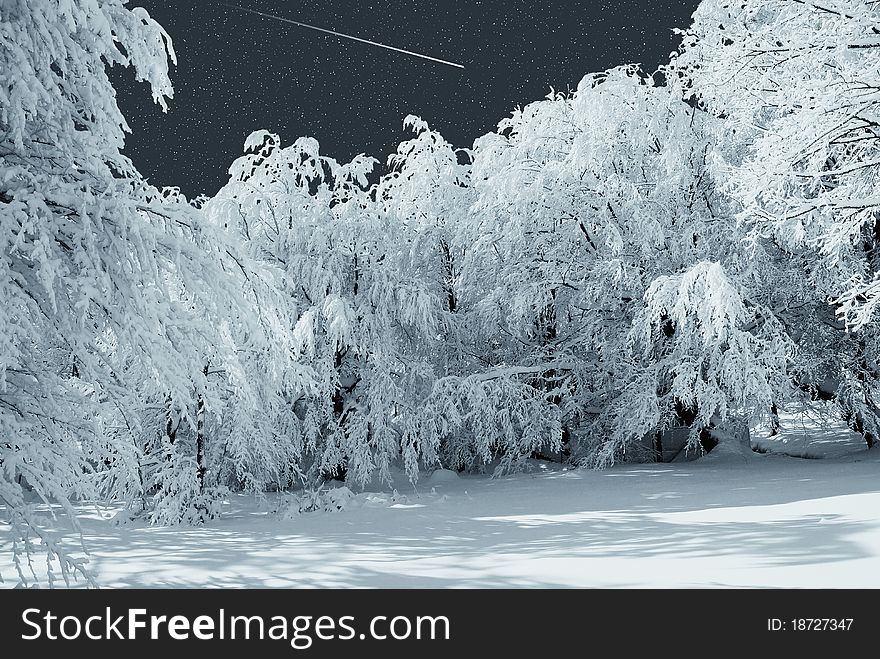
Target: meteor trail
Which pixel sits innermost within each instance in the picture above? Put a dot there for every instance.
(346, 36)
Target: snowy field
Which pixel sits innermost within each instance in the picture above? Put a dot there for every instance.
(768, 520)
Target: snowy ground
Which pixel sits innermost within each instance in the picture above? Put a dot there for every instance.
(766, 521)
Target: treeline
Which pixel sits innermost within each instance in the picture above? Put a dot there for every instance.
(691, 247)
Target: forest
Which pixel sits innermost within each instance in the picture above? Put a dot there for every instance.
(655, 257)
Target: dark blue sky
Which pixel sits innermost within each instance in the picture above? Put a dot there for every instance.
(239, 72)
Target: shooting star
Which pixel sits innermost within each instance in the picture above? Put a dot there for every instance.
(346, 36)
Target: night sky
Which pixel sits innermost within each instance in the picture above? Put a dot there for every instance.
(238, 72)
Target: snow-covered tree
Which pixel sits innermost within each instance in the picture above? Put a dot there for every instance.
(363, 312)
(596, 217)
(797, 84)
(428, 190)
(113, 295)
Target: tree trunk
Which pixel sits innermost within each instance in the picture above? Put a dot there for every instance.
(774, 420)
(448, 276)
(201, 466)
(865, 428)
(658, 446)
(338, 398)
(547, 330)
(170, 425)
(856, 422)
